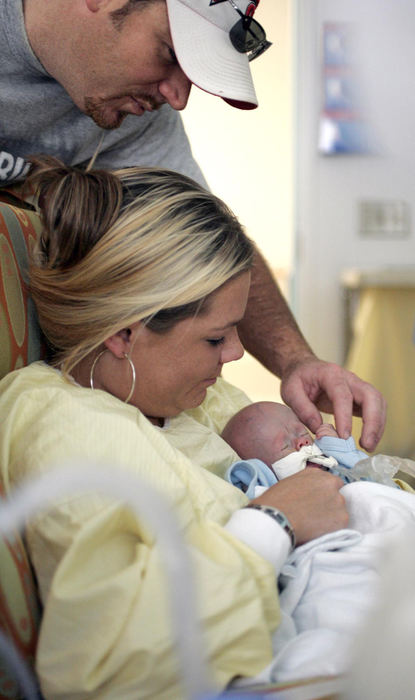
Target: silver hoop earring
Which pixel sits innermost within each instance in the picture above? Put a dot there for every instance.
(94, 364)
(91, 374)
(127, 357)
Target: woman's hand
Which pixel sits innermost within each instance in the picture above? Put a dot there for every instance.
(311, 501)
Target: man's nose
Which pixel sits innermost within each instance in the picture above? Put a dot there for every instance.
(175, 88)
(302, 441)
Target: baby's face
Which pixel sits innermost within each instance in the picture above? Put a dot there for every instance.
(286, 433)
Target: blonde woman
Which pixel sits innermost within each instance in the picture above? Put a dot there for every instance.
(140, 280)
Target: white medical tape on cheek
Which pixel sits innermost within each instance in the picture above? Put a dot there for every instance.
(297, 461)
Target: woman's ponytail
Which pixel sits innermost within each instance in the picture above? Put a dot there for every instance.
(77, 208)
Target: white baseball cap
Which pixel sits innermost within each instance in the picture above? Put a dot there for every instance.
(203, 47)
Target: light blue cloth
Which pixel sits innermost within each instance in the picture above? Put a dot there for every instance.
(345, 451)
(348, 456)
(249, 473)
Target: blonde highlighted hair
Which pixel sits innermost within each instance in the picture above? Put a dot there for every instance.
(137, 244)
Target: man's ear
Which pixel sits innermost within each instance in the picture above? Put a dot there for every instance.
(96, 5)
(93, 5)
(119, 343)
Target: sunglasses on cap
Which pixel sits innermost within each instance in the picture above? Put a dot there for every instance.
(247, 35)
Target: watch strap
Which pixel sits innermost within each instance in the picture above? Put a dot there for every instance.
(278, 516)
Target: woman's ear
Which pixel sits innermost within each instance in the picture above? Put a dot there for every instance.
(122, 342)
(119, 343)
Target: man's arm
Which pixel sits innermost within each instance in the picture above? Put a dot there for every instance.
(269, 330)
(308, 385)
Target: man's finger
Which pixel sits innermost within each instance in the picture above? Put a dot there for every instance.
(374, 418)
(342, 400)
(297, 399)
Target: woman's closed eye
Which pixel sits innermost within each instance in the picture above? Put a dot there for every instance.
(216, 341)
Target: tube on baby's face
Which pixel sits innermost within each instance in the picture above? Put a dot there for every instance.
(296, 461)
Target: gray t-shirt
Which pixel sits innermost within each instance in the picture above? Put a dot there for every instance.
(38, 116)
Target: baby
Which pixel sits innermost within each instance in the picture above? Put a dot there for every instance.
(268, 433)
(328, 585)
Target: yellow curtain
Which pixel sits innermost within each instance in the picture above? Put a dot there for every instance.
(383, 353)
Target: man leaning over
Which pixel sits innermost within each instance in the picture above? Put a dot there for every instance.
(74, 77)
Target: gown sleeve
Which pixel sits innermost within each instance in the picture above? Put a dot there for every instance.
(106, 629)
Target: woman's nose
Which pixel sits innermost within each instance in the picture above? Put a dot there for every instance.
(175, 88)
(302, 441)
(233, 349)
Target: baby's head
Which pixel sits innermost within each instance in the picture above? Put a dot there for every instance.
(266, 430)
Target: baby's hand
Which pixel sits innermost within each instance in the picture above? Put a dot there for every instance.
(325, 430)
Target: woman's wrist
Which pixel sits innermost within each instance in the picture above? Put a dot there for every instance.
(279, 517)
(261, 533)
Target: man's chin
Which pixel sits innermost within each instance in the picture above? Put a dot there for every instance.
(108, 123)
(102, 116)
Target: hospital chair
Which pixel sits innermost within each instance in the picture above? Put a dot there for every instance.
(21, 343)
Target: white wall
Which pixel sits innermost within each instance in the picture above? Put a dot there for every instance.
(247, 158)
(330, 187)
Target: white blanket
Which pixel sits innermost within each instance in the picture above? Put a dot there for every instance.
(329, 585)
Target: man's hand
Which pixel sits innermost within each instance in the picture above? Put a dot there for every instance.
(309, 385)
(312, 385)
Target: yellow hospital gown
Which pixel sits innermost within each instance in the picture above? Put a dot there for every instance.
(105, 630)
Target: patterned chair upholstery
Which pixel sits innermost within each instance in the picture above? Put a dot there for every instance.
(20, 342)
(20, 338)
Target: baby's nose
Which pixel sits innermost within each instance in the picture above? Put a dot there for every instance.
(302, 441)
